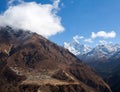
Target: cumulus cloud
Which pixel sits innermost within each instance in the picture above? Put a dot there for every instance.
(40, 18)
(104, 42)
(77, 38)
(89, 40)
(11, 2)
(56, 4)
(103, 34)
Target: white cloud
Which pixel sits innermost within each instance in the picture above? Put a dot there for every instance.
(103, 34)
(77, 38)
(40, 18)
(11, 2)
(89, 40)
(104, 42)
(56, 4)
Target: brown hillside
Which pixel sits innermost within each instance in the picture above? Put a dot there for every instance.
(34, 64)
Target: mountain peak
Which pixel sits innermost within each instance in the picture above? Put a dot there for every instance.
(76, 47)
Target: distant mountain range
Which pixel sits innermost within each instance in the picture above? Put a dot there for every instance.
(104, 59)
(89, 54)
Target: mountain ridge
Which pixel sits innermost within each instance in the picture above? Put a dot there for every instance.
(87, 54)
(42, 66)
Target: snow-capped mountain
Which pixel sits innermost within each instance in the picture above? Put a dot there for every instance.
(101, 52)
(76, 48)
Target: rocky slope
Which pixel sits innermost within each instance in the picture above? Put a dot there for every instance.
(31, 63)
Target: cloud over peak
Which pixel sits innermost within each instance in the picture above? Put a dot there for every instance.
(39, 18)
(76, 38)
(89, 40)
(103, 34)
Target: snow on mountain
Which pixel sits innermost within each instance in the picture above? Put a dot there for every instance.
(101, 52)
(76, 48)
(71, 48)
(108, 49)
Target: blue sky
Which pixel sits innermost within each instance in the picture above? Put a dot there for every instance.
(82, 17)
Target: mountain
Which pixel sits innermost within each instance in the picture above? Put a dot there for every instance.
(105, 61)
(31, 63)
(100, 53)
(76, 48)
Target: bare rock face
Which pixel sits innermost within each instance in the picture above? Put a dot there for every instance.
(34, 64)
